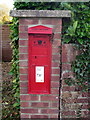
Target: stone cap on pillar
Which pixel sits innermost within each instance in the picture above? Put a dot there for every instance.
(40, 13)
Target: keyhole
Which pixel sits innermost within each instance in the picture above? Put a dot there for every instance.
(39, 42)
(35, 57)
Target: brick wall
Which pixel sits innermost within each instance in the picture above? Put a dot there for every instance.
(6, 48)
(39, 105)
(74, 103)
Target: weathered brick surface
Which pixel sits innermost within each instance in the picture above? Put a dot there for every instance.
(23, 77)
(29, 111)
(23, 90)
(24, 70)
(23, 35)
(23, 63)
(39, 116)
(50, 111)
(24, 104)
(23, 28)
(24, 116)
(23, 49)
(55, 91)
(23, 42)
(74, 102)
(40, 105)
(68, 53)
(26, 22)
(27, 97)
(23, 56)
(23, 84)
(53, 21)
(49, 98)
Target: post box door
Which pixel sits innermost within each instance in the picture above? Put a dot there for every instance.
(39, 63)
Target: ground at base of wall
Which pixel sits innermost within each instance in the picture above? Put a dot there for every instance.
(8, 111)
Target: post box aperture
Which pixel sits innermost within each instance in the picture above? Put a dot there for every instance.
(39, 59)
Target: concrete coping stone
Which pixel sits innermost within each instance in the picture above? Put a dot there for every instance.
(40, 13)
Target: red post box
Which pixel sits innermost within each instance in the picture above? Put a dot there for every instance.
(39, 59)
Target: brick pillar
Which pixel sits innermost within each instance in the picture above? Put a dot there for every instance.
(39, 105)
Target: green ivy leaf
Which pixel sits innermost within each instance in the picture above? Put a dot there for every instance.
(80, 41)
(75, 25)
(16, 104)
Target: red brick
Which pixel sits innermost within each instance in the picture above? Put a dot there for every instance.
(79, 100)
(41, 104)
(57, 28)
(28, 98)
(82, 100)
(53, 116)
(54, 84)
(56, 57)
(68, 53)
(88, 94)
(66, 66)
(23, 84)
(23, 35)
(85, 94)
(54, 105)
(55, 64)
(52, 21)
(23, 56)
(23, 28)
(68, 113)
(39, 116)
(67, 74)
(85, 106)
(55, 91)
(49, 98)
(49, 111)
(23, 42)
(23, 77)
(23, 90)
(55, 78)
(56, 50)
(29, 110)
(85, 114)
(57, 43)
(55, 71)
(28, 21)
(24, 116)
(23, 63)
(48, 21)
(68, 88)
(57, 36)
(24, 104)
(24, 70)
(23, 49)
